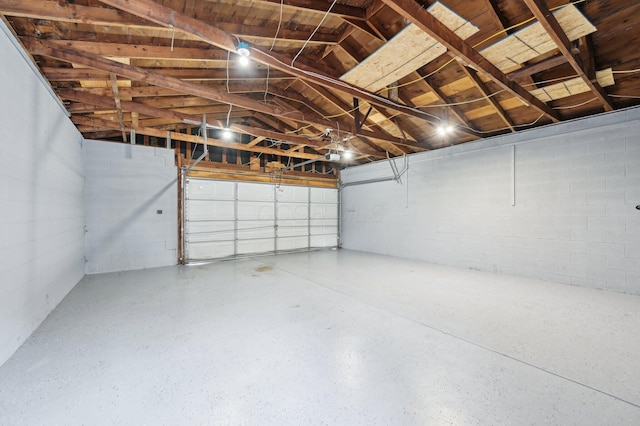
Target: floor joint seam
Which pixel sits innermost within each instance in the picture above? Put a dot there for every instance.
(461, 339)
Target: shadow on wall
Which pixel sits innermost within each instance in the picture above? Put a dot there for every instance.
(130, 232)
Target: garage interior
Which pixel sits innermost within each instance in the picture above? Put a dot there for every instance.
(324, 212)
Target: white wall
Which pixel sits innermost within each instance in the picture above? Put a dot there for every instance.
(41, 211)
(125, 187)
(574, 219)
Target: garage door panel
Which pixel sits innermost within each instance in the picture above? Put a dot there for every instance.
(255, 192)
(205, 189)
(254, 210)
(318, 241)
(290, 194)
(293, 228)
(324, 230)
(211, 250)
(253, 229)
(292, 210)
(322, 222)
(256, 246)
(226, 219)
(199, 210)
(293, 243)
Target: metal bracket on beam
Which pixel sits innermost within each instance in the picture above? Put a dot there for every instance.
(206, 148)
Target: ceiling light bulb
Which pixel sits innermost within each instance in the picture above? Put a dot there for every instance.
(444, 129)
(244, 61)
(346, 154)
(226, 133)
(243, 49)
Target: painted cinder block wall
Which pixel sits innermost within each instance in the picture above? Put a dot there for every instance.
(41, 207)
(556, 203)
(131, 194)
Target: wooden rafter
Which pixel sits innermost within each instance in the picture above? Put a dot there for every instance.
(44, 48)
(155, 12)
(80, 96)
(413, 11)
(557, 34)
(341, 10)
(78, 14)
(442, 98)
(99, 123)
(544, 65)
(473, 75)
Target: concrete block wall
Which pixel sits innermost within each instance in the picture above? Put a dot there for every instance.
(126, 188)
(556, 203)
(41, 200)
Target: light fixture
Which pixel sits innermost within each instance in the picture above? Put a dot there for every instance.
(332, 156)
(226, 133)
(243, 50)
(347, 155)
(444, 129)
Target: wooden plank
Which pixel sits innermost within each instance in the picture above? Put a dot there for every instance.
(407, 51)
(573, 86)
(86, 74)
(116, 98)
(289, 177)
(42, 47)
(473, 75)
(106, 124)
(533, 40)
(342, 10)
(155, 12)
(544, 65)
(412, 11)
(557, 34)
(100, 16)
(160, 112)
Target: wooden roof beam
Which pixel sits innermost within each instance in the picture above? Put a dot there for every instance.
(116, 98)
(341, 10)
(151, 111)
(40, 47)
(99, 123)
(413, 11)
(442, 98)
(473, 75)
(77, 14)
(90, 74)
(557, 34)
(162, 15)
(544, 65)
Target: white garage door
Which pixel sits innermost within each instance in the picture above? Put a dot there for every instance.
(226, 219)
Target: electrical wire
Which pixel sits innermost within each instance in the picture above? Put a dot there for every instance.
(626, 71)
(576, 105)
(625, 96)
(526, 21)
(503, 128)
(273, 43)
(314, 32)
(389, 103)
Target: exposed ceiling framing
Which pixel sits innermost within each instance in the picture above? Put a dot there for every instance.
(154, 67)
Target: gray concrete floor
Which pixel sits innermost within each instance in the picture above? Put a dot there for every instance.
(334, 337)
